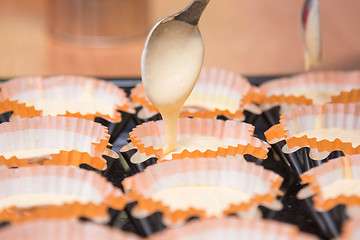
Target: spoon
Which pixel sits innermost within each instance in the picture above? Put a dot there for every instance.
(170, 65)
(191, 14)
(311, 32)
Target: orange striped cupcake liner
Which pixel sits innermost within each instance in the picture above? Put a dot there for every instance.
(352, 96)
(62, 229)
(284, 90)
(234, 228)
(92, 194)
(326, 196)
(20, 94)
(261, 184)
(60, 140)
(328, 116)
(217, 93)
(148, 138)
(318, 178)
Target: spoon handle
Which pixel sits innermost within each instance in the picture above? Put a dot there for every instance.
(192, 13)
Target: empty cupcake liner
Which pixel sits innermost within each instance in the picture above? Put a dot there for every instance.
(306, 152)
(294, 91)
(31, 96)
(148, 139)
(288, 90)
(261, 184)
(336, 206)
(56, 192)
(61, 229)
(53, 141)
(234, 228)
(338, 169)
(217, 93)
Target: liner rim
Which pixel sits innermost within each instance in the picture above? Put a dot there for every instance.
(281, 131)
(315, 77)
(25, 111)
(112, 197)
(251, 148)
(148, 205)
(67, 157)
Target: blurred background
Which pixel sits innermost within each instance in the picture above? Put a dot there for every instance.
(105, 38)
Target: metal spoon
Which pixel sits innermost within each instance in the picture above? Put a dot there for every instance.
(174, 51)
(191, 14)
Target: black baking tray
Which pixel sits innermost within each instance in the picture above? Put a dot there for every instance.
(293, 211)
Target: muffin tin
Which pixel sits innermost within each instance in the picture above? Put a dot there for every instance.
(293, 210)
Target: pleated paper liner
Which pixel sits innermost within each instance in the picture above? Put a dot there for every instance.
(232, 228)
(53, 141)
(300, 152)
(136, 161)
(261, 185)
(351, 230)
(342, 169)
(236, 138)
(292, 92)
(77, 193)
(331, 205)
(352, 96)
(217, 93)
(28, 97)
(63, 229)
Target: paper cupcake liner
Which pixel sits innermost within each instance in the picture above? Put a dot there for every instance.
(213, 85)
(338, 208)
(74, 141)
(18, 92)
(96, 193)
(279, 90)
(352, 96)
(59, 230)
(329, 173)
(237, 135)
(343, 116)
(234, 228)
(263, 185)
